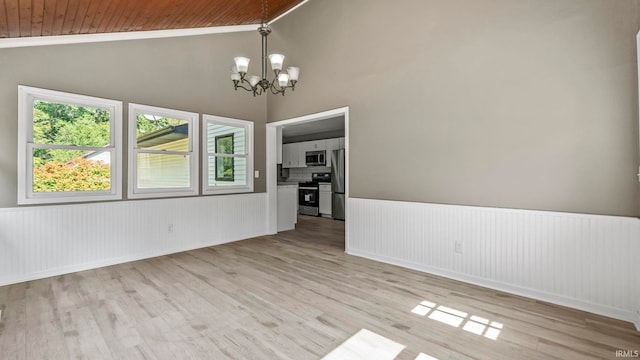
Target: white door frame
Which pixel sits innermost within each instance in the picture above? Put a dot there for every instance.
(272, 177)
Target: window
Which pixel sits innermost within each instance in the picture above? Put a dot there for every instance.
(228, 163)
(163, 152)
(69, 147)
(224, 165)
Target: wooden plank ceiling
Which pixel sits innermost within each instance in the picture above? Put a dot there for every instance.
(28, 18)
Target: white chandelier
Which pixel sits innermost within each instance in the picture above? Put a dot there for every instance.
(256, 84)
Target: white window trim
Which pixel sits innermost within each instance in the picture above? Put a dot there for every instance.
(26, 97)
(215, 190)
(135, 193)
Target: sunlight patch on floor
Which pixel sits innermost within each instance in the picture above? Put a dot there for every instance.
(450, 316)
(423, 356)
(366, 345)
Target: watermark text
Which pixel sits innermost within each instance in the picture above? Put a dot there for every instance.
(628, 353)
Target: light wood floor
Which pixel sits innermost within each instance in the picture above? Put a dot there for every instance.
(296, 295)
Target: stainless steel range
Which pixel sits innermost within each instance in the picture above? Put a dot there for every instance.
(309, 194)
(308, 198)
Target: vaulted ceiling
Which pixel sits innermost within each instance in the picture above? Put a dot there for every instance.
(31, 18)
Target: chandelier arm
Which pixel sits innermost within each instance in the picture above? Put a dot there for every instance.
(242, 87)
(279, 89)
(251, 87)
(276, 91)
(276, 85)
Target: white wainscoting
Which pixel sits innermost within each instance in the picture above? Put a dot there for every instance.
(588, 262)
(43, 241)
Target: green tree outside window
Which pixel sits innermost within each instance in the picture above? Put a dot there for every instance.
(68, 170)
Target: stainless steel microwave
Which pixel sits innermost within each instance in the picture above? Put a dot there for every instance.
(315, 158)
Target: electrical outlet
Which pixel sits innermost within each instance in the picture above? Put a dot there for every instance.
(459, 247)
(170, 228)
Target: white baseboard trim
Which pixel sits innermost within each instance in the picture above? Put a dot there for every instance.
(508, 288)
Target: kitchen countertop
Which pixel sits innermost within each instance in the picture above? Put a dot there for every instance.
(290, 183)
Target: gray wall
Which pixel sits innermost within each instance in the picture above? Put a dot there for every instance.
(185, 73)
(500, 103)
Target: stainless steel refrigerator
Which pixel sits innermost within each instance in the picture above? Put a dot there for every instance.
(337, 184)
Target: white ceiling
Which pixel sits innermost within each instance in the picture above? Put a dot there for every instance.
(314, 127)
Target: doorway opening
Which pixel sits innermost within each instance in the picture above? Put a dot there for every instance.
(303, 155)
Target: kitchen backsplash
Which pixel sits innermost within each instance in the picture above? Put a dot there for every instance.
(304, 174)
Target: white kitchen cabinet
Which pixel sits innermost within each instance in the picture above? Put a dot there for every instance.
(287, 207)
(291, 155)
(316, 145)
(332, 144)
(325, 199)
(304, 147)
(287, 150)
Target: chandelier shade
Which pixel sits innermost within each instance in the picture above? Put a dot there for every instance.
(242, 64)
(283, 79)
(254, 80)
(293, 73)
(276, 61)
